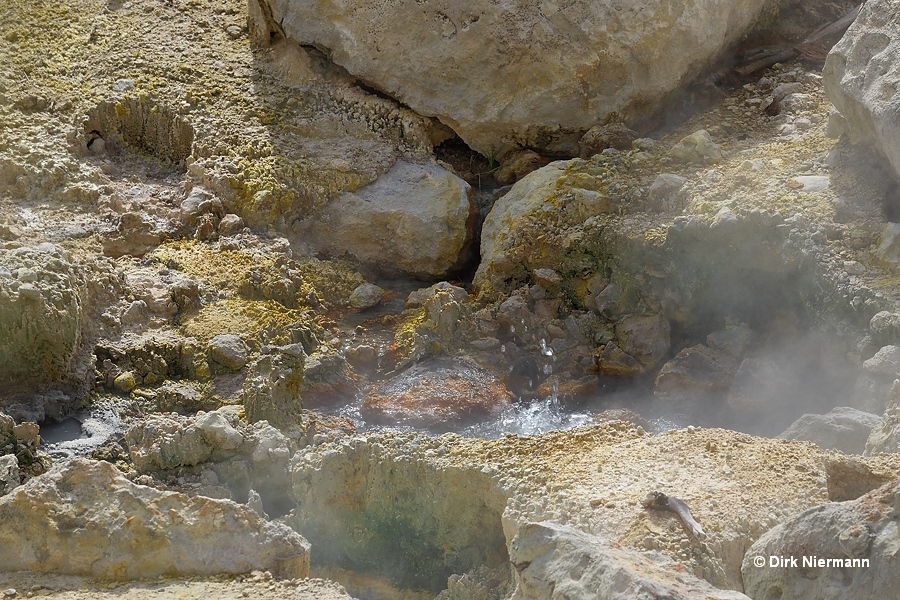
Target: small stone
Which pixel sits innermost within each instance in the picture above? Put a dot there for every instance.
(228, 350)
(366, 295)
(697, 148)
(123, 85)
(234, 31)
(230, 225)
(125, 382)
(9, 593)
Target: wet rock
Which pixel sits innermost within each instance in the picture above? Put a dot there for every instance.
(564, 93)
(842, 428)
(517, 165)
(697, 147)
(553, 560)
(228, 350)
(366, 295)
(615, 361)
(415, 220)
(437, 394)
(363, 355)
(85, 518)
(695, 370)
(272, 388)
(861, 529)
(869, 104)
(328, 379)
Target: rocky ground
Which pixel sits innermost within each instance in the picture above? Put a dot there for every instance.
(235, 263)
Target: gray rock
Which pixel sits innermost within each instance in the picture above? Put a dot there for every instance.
(664, 190)
(272, 388)
(869, 104)
(646, 338)
(885, 436)
(532, 74)
(9, 473)
(228, 350)
(166, 441)
(85, 518)
(889, 248)
(842, 428)
(859, 530)
(885, 327)
(885, 362)
(218, 432)
(732, 340)
(366, 295)
(558, 561)
(415, 220)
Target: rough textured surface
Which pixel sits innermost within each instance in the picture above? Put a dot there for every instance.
(255, 585)
(415, 220)
(555, 561)
(861, 529)
(42, 308)
(843, 428)
(529, 73)
(85, 518)
(272, 388)
(861, 77)
(437, 394)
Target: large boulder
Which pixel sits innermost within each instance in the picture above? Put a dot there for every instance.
(842, 428)
(533, 73)
(558, 561)
(85, 518)
(415, 220)
(849, 549)
(862, 78)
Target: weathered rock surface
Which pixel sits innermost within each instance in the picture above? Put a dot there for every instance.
(228, 350)
(437, 394)
(862, 529)
(42, 308)
(85, 518)
(885, 436)
(531, 73)
(272, 388)
(555, 561)
(415, 220)
(862, 75)
(842, 428)
(696, 370)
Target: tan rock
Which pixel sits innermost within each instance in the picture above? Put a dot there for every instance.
(85, 518)
(530, 73)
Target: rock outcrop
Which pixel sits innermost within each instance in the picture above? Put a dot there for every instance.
(415, 220)
(529, 73)
(862, 76)
(839, 550)
(842, 428)
(85, 518)
(555, 561)
(43, 298)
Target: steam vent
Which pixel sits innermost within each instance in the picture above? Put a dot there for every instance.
(442, 300)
